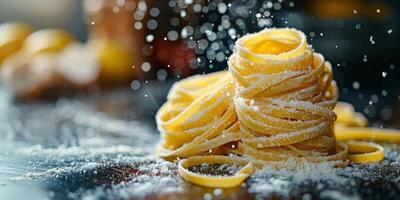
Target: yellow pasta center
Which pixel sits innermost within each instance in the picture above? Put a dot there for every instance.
(269, 46)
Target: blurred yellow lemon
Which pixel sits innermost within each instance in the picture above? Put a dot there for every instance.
(115, 61)
(12, 36)
(47, 40)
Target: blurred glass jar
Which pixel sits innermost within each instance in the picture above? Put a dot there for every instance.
(111, 27)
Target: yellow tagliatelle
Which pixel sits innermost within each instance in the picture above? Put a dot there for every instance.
(349, 127)
(273, 105)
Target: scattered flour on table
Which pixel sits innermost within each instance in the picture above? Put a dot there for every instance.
(38, 150)
(98, 144)
(327, 181)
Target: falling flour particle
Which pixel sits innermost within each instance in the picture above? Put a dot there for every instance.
(365, 59)
(207, 196)
(218, 192)
(371, 39)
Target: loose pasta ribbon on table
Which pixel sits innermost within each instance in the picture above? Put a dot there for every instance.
(274, 104)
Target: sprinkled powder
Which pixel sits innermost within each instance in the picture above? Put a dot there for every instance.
(116, 159)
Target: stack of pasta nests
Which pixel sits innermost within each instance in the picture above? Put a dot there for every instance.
(273, 105)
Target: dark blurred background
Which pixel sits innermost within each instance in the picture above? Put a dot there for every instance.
(181, 37)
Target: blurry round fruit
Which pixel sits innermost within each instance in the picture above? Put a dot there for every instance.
(26, 76)
(115, 61)
(78, 65)
(12, 36)
(47, 40)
